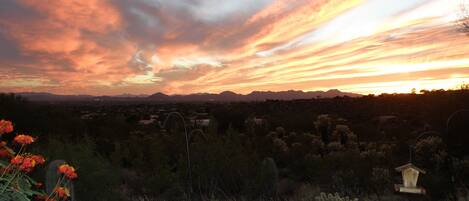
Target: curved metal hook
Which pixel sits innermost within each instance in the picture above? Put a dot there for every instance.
(448, 121)
(420, 137)
(189, 166)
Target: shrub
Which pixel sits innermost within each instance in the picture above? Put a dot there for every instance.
(333, 197)
(15, 166)
(99, 178)
(268, 177)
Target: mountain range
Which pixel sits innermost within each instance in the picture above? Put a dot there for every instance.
(226, 96)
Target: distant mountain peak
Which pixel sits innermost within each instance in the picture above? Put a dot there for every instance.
(228, 93)
(158, 94)
(224, 96)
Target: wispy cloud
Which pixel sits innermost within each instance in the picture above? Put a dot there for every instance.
(187, 46)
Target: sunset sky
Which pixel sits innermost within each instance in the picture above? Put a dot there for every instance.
(109, 47)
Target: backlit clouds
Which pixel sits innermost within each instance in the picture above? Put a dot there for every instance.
(189, 46)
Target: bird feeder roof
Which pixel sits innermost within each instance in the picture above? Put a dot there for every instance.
(409, 165)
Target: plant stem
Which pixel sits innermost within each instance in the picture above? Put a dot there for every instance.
(56, 185)
(9, 164)
(9, 181)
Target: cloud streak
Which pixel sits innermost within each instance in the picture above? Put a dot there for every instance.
(189, 46)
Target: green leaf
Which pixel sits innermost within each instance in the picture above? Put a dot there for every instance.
(31, 180)
(23, 184)
(17, 196)
(5, 197)
(3, 163)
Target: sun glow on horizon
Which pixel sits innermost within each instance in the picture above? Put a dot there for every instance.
(363, 46)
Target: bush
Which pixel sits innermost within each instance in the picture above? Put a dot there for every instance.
(16, 167)
(99, 179)
(268, 178)
(333, 197)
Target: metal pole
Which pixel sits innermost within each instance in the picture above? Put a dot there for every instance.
(450, 162)
(189, 167)
(410, 153)
(448, 121)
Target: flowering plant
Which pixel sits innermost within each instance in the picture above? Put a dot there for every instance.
(15, 183)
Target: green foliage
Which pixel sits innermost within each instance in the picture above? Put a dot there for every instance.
(432, 156)
(380, 181)
(52, 176)
(344, 135)
(333, 197)
(431, 152)
(97, 176)
(19, 188)
(227, 163)
(461, 169)
(323, 126)
(306, 192)
(268, 178)
(16, 166)
(223, 166)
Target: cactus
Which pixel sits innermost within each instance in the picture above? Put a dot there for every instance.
(269, 177)
(342, 132)
(333, 197)
(323, 125)
(52, 176)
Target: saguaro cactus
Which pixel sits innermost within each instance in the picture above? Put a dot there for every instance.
(269, 177)
(323, 125)
(52, 176)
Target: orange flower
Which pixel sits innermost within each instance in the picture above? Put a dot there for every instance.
(5, 127)
(4, 153)
(68, 171)
(17, 160)
(28, 165)
(23, 139)
(62, 192)
(39, 159)
(25, 164)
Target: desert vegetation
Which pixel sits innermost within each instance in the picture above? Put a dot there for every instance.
(15, 167)
(314, 149)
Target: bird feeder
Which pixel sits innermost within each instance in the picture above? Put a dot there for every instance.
(410, 175)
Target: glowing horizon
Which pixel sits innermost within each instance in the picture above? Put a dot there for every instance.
(110, 47)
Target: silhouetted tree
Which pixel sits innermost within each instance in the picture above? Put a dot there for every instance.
(464, 17)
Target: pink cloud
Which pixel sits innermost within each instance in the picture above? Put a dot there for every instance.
(113, 47)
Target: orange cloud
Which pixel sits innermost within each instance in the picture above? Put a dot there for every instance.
(113, 47)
